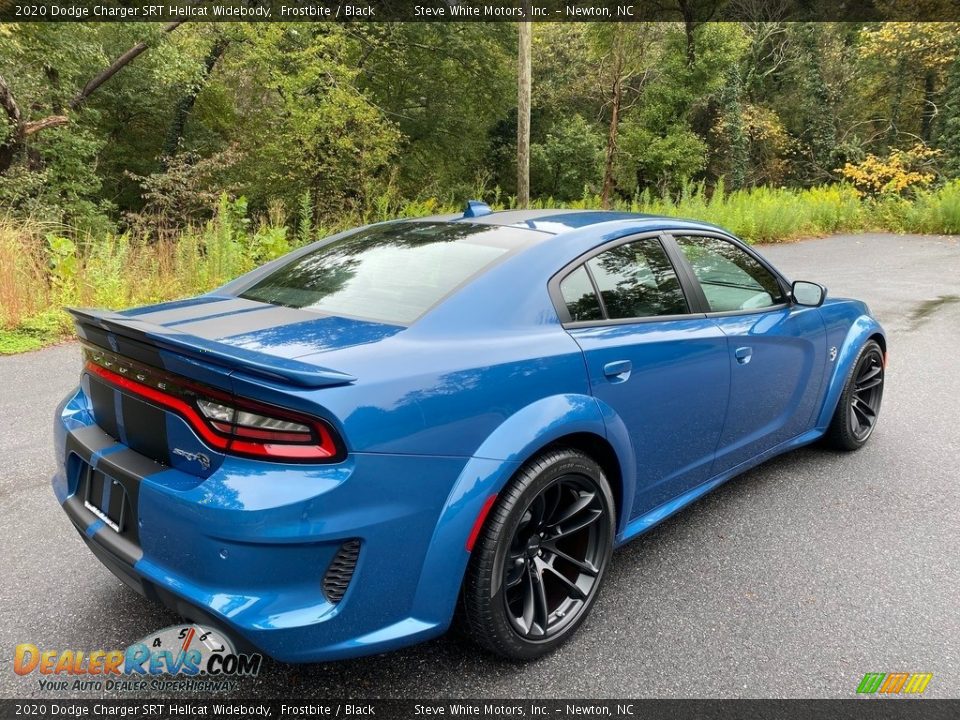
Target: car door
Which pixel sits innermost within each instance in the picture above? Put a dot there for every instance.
(777, 350)
(663, 369)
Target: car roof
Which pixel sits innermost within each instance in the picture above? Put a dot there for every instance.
(557, 221)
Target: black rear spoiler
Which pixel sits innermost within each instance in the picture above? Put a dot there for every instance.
(241, 360)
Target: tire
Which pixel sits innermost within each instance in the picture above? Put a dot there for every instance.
(541, 557)
(858, 409)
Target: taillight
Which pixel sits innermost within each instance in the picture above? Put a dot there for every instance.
(234, 425)
(242, 423)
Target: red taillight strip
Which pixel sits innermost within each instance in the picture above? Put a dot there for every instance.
(161, 398)
(270, 435)
(325, 450)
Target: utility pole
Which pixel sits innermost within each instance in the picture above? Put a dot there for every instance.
(523, 112)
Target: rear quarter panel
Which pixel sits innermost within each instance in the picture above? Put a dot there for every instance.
(443, 395)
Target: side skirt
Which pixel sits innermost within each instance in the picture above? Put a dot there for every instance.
(642, 523)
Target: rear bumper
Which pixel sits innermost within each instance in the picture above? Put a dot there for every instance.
(109, 557)
(246, 549)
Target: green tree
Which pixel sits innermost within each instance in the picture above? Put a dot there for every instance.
(60, 83)
(662, 162)
(679, 108)
(314, 131)
(949, 140)
(444, 87)
(626, 56)
(567, 160)
(739, 143)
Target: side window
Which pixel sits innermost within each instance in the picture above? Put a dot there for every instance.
(637, 280)
(731, 278)
(580, 297)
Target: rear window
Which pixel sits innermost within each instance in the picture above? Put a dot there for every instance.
(388, 273)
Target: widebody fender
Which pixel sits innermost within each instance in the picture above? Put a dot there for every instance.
(517, 439)
(848, 345)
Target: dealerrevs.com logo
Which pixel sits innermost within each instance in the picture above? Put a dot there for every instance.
(179, 657)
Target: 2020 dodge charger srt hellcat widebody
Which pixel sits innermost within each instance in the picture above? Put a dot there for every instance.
(324, 457)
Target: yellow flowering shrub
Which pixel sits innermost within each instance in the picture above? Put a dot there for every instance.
(901, 171)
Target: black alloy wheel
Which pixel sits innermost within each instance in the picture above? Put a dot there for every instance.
(555, 557)
(867, 392)
(859, 407)
(540, 559)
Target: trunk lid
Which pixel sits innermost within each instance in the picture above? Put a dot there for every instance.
(243, 335)
(217, 342)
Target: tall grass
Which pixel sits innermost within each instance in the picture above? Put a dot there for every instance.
(24, 282)
(935, 212)
(761, 214)
(45, 267)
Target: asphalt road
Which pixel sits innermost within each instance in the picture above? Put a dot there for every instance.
(790, 581)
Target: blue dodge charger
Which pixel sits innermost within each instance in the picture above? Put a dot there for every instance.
(455, 416)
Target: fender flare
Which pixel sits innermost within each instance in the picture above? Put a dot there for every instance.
(861, 330)
(486, 473)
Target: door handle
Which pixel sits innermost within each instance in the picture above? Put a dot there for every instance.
(618, 370)
(743, 354)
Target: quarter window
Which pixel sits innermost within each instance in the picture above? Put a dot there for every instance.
(580, 297)
(731, 278)
(637, 280)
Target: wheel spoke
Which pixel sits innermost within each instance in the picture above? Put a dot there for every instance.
(868, 384)
(556, 493)
(512, 583)
(860, 415)
(586, 521)
(582, 502)
(581, 565)
(541, 613)
(865, 412)
(854, 420)
(573, 590)
(537, 511)
(525, 521)
(529, 602)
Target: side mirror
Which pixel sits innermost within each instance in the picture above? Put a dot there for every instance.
(809, 294)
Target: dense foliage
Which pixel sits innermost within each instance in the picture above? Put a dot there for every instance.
(346, 118)
(217, 145)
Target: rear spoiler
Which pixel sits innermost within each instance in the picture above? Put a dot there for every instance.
(241, 360)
